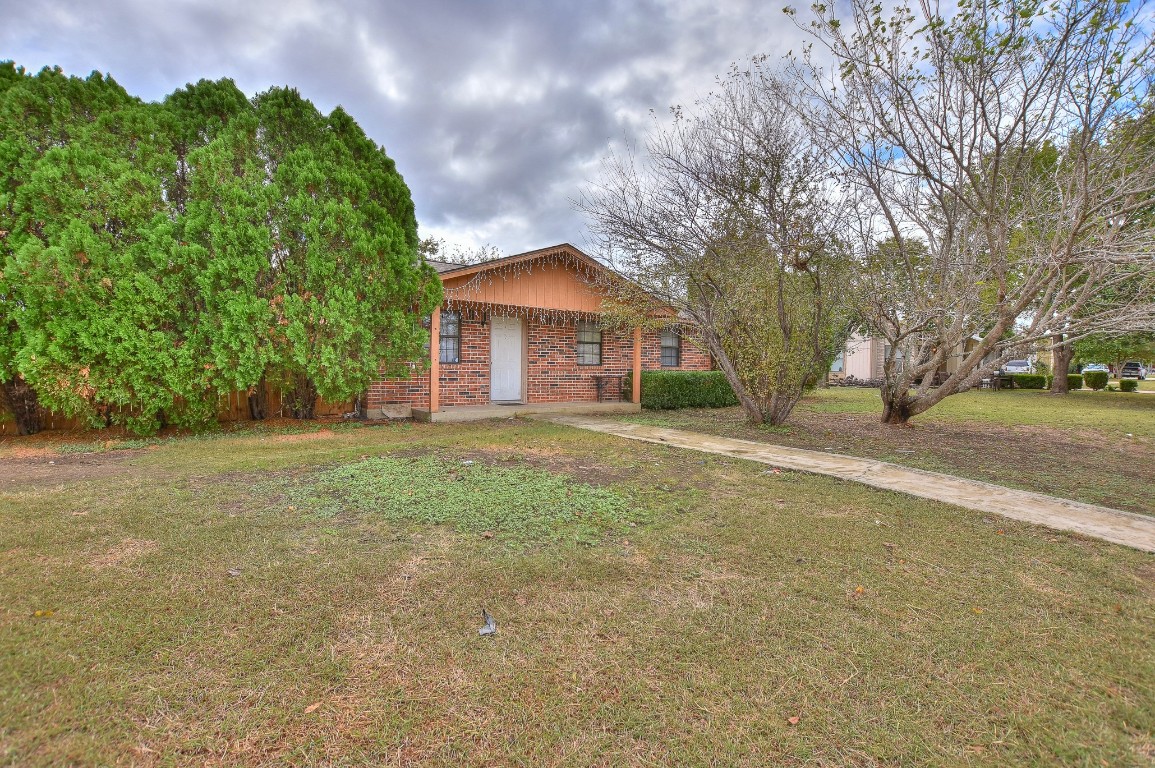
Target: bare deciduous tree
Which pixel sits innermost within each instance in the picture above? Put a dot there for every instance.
(729, 218)
(998, 201)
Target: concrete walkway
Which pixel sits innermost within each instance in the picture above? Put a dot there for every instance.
(1112, 525)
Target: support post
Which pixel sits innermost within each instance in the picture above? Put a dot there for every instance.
(435, 360)
(636, 396)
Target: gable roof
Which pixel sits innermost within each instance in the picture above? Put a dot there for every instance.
(561, 249)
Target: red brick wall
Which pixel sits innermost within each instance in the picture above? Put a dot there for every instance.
(467, 382)
(413, 391)
(553, 375)
(695, 359)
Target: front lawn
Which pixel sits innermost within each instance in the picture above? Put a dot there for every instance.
(1097, 447)
(294, 599)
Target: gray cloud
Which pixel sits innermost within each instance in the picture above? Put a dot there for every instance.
(496, 112)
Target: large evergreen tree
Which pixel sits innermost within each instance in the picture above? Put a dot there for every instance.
(42, 118)
(156, 256)
(312, 277)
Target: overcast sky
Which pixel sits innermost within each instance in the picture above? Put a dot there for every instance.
(496, 112)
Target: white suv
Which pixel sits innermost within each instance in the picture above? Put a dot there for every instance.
(1133, 371)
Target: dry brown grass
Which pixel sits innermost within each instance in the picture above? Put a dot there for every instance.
(690, 639)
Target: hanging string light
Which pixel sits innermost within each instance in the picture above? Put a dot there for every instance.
(463, 297)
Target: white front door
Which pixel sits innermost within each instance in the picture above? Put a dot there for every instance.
(505, 345)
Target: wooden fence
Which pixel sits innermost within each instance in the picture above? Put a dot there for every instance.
(231, 408)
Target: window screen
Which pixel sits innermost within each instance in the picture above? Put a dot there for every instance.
(450, 337)
(671, 348)
(589, 344)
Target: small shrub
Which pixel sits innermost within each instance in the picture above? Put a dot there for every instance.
(1074, 381)
(1030, 381)
(683, 389)
(1096, 380)
(1129, 385)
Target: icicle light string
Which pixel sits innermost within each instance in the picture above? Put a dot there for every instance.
(456, 297)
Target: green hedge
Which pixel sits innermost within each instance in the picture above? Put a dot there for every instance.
(1096, 380)
(1074, 381)
(1030, 381)
(1128, 385)
(683, 389)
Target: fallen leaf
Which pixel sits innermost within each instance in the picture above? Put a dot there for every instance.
(859, 589)
(487, 534)
(44, 614)
(312, 708)
(793, 720)
(1000, 532)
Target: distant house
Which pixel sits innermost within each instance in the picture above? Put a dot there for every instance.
(863, 358)
(526, 332)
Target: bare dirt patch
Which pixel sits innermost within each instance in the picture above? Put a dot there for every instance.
(125, 553)
(45, 468)
(1145, 574)
(583, 469)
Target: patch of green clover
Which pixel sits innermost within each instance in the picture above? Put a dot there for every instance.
(518, 505)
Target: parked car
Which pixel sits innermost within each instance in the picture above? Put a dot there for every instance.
(1096, 367)
(1133, 371)
(1017, 366)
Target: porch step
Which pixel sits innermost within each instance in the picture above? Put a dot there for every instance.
(456, 413)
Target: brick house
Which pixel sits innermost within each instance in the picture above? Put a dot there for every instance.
(524, 333)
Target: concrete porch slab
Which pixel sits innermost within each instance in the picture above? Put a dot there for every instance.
(456, 413)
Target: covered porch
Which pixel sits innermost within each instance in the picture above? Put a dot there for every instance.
(459, 413)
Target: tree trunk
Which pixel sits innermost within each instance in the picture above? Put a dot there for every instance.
(749, 405)
(896, 407)
(753, 413)
(781, 406)
(302, 398)
(259, 401)
(21, 399)
(1061, 357)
